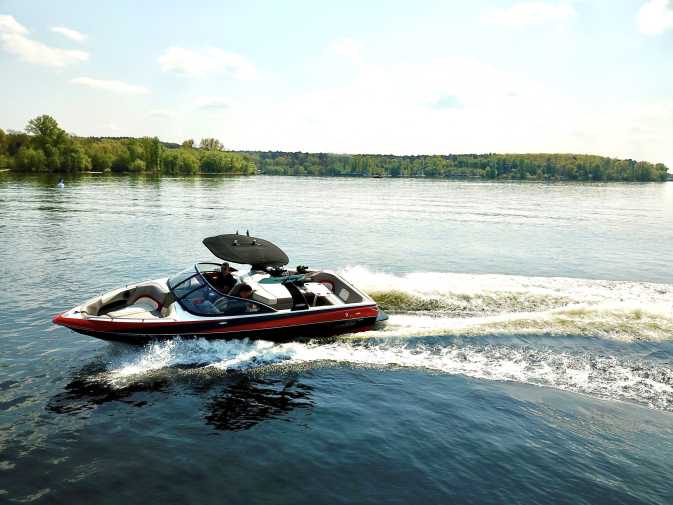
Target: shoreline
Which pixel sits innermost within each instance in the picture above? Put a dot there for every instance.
(149, 175)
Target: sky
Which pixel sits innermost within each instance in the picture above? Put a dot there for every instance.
(398, 77)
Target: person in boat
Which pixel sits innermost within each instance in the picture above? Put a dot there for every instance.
(245, 291)
(224, 280)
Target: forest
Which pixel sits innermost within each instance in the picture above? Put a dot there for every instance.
(577, 167)
(45, 147)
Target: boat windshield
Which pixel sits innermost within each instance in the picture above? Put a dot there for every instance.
(182, 276)
(183, 282)
(208, 267)
(197, 296)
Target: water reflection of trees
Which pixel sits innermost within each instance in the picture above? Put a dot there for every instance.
(233, 401)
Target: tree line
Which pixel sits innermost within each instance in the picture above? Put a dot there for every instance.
(580, 167)
(45, 147)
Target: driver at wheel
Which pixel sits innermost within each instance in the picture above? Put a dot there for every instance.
(245, 292)
(224, 280)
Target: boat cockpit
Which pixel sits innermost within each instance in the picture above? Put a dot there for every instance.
(195, 291)
(272, 291)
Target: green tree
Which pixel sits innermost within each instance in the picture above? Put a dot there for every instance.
(170, 162)
(211, 144)
(75, 159)
(189, 163)
(212, 163)
(179, 161)
(137, 166)
(101, 158)
(46, 129)
(29, 159)
(50, 139)
(14, 141)
(153, 149)
(4, 158)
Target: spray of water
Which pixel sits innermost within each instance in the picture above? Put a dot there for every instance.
(459, 305)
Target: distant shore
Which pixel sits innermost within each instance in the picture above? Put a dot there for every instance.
(46, 148)
(51, 178)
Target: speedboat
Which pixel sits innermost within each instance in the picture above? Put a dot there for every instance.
(284, 305)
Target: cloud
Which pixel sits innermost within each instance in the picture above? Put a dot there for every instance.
(447, 102)
(68, 33)
(398, 113)
(203, 62)
(347, 48)
(9, 25)
(393, 112)
(213, 104)
(118, 87)
(655, 17)
(14, 39)
(460, 105)
(161, 114)
(527, 13)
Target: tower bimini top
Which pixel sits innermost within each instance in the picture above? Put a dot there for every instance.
(247, 250)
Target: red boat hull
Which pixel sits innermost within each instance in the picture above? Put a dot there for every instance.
(274, 327)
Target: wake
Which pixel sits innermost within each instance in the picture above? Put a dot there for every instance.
(474, 305)
(444, 326)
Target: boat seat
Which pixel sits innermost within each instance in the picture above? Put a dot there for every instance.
(135, 312)
(145, 307)
(141, 311)
(168, 311)
(148, 292)
(274, 295)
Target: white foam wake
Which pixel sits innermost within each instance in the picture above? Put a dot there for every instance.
(508, 291)
(609, 377)
(620, 323)
(467, 304)
(497, 305)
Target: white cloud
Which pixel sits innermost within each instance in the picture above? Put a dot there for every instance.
(199, 63)
(460, 105)
(10, 25)
(640, 130)
(161, 114)
(447, 102)
(655, 17)
(14, 39)
(119, 87)
(69, 33)
(213, 104)
(528, 13)
(396, 115)
(347, 48)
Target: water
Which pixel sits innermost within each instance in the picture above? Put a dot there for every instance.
(528, 356)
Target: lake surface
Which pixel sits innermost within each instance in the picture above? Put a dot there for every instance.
(528, 357)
